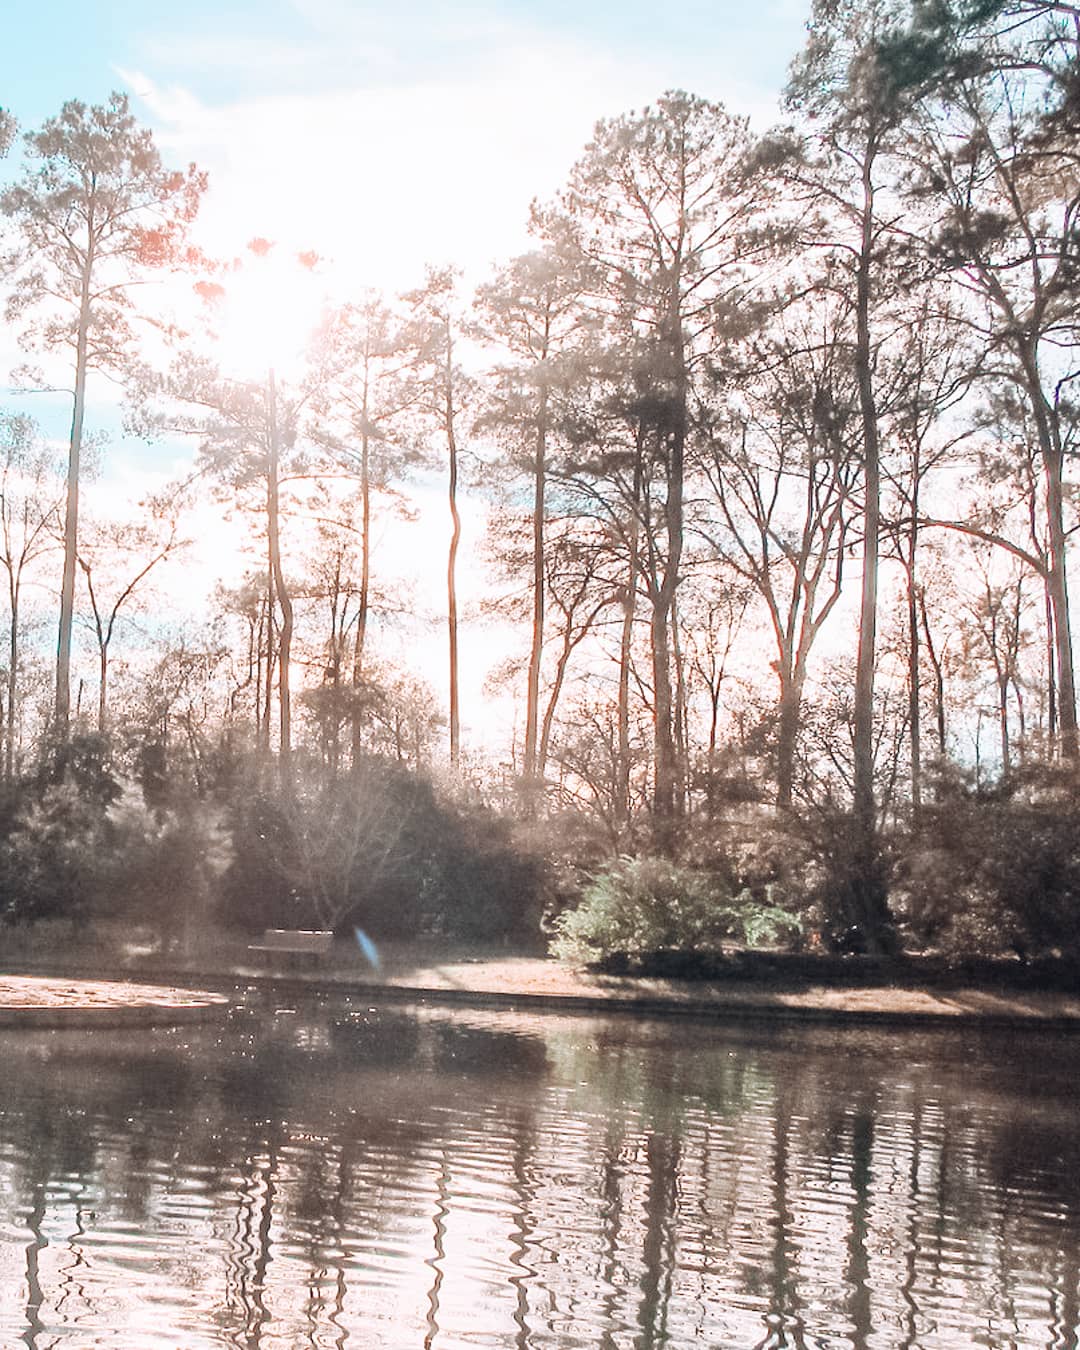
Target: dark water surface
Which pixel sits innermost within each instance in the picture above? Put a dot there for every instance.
(322, 1175)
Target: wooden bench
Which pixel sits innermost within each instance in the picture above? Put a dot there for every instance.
(295, 946)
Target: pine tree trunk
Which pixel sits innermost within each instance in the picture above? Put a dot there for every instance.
(103, 679)
(787, 734)
(622, 793)
(666, 761)
(1051, 663)
(867, 894)
(365, 578)
(365, 558)
(914, 681)
(939, 676)
(539, 581)
(451, 573)
(62, 714)
(664, 768)
(273, 530)
(12, 677)
(682, 740)
(1059, 597)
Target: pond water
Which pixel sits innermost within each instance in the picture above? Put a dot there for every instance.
(325, 1175)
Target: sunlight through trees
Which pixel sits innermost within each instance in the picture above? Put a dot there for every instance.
(770, 441)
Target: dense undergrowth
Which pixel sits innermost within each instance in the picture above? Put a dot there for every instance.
(981, 872)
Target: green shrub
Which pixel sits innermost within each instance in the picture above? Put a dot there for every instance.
(766, 925)
(56, 857)
(996, 868)
(57, 853)
(166, 862)
(641, 905)
(379, 849)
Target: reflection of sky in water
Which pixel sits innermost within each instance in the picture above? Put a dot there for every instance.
(330, 1176)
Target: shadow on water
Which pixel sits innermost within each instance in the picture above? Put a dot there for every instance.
(377, 1036)
(325, 1174)
(481, 1052)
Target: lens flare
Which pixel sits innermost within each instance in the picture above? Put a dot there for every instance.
(368, 947)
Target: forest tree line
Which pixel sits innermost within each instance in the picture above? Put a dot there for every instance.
(774, 433)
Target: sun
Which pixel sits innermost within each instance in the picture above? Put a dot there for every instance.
(263, 308)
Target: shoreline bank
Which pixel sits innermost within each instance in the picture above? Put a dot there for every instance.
(411, 975)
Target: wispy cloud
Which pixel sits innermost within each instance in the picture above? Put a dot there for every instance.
(385, 137)
(242, 53)
(381, 176)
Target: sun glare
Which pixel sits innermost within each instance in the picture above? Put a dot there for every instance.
(265, 308)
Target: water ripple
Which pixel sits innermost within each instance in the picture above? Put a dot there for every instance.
(330, 1178)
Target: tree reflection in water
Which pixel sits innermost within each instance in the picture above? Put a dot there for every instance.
(324, 1176)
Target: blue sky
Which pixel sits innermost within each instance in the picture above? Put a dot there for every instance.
(223, 52)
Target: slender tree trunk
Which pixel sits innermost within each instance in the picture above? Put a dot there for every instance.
(71, 517)
(1003, 724)
(1052, 457)
(451, 568)
(939, 676)
(714, 726)
(791, 687)
(914, 683)
(626, 638)
(265, 670)
(553, 701)
(622, 794)
(864, 674)
(666, 759)
(1021, 717)
(539, 579)
(664, 769)
(1059, 597)
(12, 676)
(331, 728)
(102, 635)
(1051, 676)
(284, 600)
(365, 549)
(103, 679)
(257, 637)
(365, 575)
(681, 737)
(867, 891)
